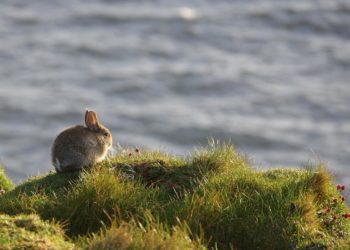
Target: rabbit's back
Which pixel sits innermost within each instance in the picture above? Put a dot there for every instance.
(75, 148)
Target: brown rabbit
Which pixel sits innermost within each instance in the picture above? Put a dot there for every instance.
(79, 146)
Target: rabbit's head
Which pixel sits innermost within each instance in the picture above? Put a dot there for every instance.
(93, 124)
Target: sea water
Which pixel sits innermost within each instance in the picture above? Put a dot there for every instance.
(272, 77)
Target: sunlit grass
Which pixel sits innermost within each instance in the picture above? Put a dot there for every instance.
(29, 232)
(5, 183)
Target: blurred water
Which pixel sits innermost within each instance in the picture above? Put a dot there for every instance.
(272, 76)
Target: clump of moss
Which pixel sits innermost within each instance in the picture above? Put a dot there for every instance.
(221, 199)
(5, 183)
(29, 232)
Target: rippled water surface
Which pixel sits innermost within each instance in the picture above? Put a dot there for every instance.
(271, 76)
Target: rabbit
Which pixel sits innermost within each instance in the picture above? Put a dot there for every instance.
(79, 146)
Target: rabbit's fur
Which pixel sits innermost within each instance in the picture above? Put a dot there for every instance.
(79, 146)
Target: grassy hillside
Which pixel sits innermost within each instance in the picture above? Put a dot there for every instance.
(142, 199)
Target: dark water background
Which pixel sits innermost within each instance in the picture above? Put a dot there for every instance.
(271, 76)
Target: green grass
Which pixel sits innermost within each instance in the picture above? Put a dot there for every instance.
(154, 235)
(5, 183)
(212, 199)
(29, 232)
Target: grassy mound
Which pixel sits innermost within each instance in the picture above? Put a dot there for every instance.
(29, 232)
(212, 199)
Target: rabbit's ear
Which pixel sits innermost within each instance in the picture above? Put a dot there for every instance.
(91, 121)
(86, 116)
(95, 120)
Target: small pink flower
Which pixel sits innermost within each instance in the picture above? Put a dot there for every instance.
(144, 174)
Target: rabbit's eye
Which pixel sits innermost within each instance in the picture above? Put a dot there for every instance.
(105, 133)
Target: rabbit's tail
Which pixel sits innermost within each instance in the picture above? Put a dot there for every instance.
(57, 165)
